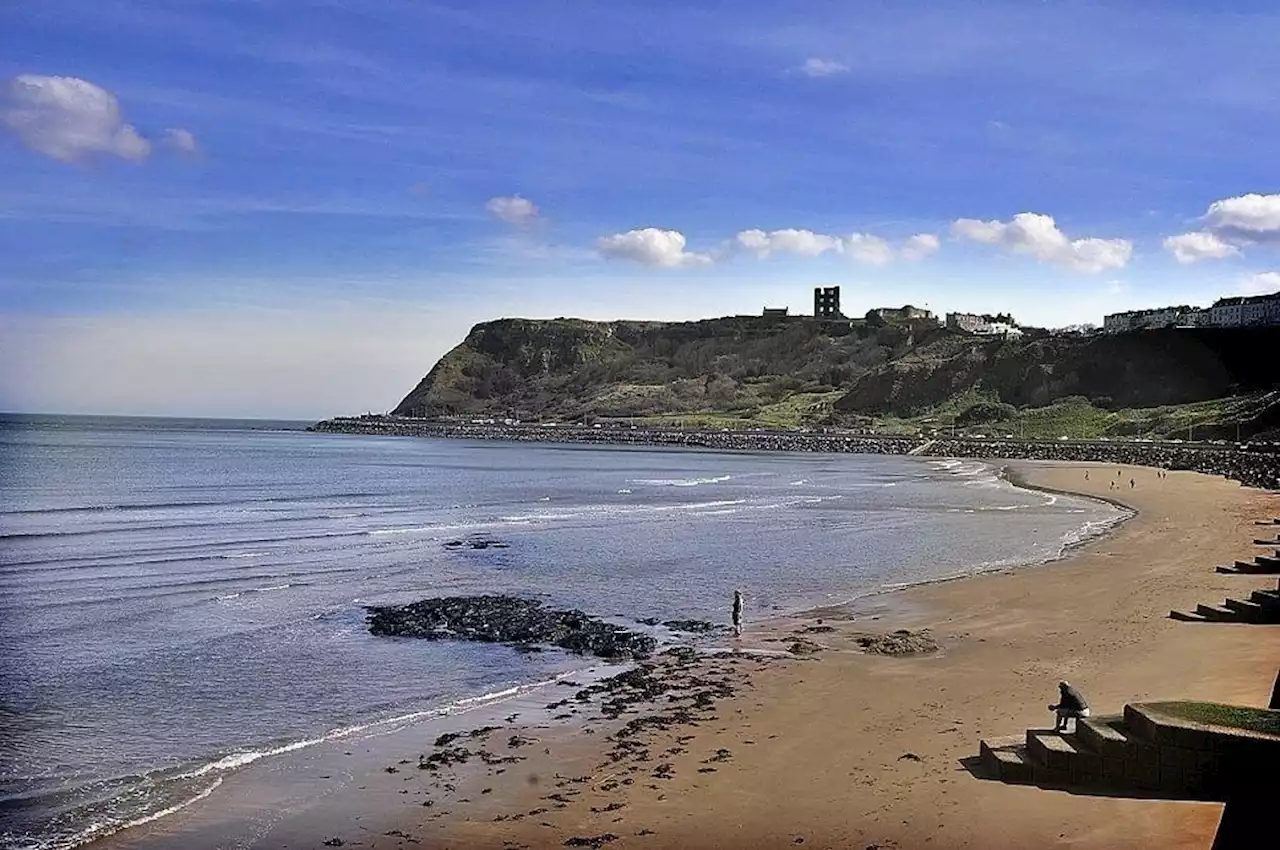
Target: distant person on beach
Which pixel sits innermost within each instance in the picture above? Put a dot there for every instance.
(1132, 484)
(737, 613)
(1071, 706)
(1086, 475)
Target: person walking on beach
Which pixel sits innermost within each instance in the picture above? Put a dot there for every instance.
(737, 613)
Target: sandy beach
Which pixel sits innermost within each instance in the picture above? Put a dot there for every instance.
(837, 747)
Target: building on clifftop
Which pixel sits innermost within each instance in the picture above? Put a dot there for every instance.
(826, 303)
(905, 313)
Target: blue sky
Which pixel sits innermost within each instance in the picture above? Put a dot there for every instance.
(293, 207)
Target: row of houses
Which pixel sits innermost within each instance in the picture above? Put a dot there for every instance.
(826, 307)
(1234, 312)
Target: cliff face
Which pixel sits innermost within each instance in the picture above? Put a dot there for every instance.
(796, 370)
(1145, 369)
(569, 368)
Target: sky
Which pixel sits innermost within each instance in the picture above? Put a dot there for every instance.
(292, 208)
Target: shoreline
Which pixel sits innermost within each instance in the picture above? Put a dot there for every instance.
(873, 598)
(916, 606)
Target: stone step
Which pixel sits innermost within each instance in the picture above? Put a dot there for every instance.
(1267, 599)
(1271, 541)
(1257, 566)
(1061, 758)
(1275, 521)
(1005, 759)
(1186, 617)
(1218, 615)
(1228, 570)
(1104, 735)
(1050, 749)
(1249, 612)
(1268, 561)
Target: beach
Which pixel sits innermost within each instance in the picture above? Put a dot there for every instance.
(833, 746)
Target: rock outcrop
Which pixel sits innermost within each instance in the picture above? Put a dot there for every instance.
(510, 620)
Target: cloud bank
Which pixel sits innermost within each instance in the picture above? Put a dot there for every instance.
(1039, 236)
(1230, 225)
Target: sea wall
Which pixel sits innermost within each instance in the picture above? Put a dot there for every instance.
(1254, 465)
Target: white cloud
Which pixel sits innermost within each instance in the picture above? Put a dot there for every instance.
(804, 243)
(920, 246)
(866, 248)
(183, 141)
(1245, 219)
(1263, 283)
(512, 209)
(817, 67)
(862, 247)
(1201, 245)
(651, 246)
(68, 118)
(1039, 236)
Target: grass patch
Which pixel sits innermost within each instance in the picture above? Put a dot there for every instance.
(1261, 720)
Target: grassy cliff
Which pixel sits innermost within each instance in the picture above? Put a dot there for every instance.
(570, 368)
(749, 371)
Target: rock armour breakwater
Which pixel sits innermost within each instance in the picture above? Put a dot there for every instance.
(1254, 465)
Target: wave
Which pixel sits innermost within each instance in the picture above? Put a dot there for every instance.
(679, 482)
(161, 793)
(211, 503)
(273, 587)
(103, 828)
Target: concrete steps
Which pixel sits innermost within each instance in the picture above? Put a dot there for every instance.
(1261, 608)
(1161, 750)
(1267, 599)
(1092, 755)
(1261, 565)
(1247, 610)
(1216, 614)
(1006, 759)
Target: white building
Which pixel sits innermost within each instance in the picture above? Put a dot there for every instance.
(1160, 317)
(1242, 310)
(972, 323)
(1228, 312)
(1116, 323)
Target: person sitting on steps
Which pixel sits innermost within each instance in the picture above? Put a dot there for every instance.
(1071, 706)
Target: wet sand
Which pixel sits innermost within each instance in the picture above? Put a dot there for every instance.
(832, 746)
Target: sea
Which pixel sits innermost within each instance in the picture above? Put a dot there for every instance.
(182, 598)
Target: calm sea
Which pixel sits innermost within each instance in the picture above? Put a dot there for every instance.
(180, 598)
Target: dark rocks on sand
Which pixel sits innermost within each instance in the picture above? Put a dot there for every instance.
(691, 626)
(901, 642)
(511, 620)
(595, 841)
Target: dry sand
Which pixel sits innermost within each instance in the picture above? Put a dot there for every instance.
(845, 749)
